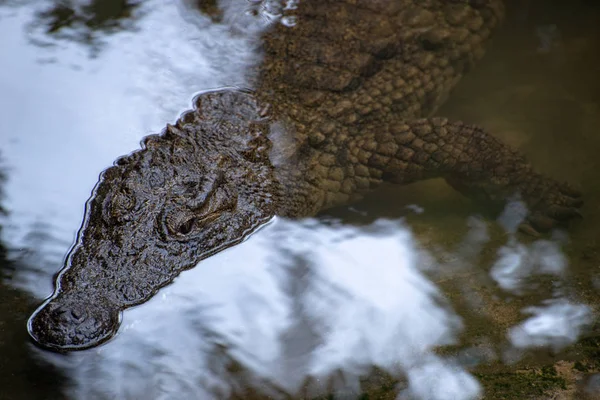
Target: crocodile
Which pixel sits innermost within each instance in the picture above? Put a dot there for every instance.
(342, 101)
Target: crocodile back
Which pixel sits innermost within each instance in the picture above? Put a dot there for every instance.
(356, 62)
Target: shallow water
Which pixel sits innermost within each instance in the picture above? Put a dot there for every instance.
(409, 281)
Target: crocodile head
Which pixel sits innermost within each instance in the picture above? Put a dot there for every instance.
(197, 188)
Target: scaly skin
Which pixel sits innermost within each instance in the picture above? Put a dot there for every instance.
(342, 103)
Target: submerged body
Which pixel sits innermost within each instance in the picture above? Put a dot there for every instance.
(342, 102)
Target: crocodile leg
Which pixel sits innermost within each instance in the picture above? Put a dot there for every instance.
(473, 162)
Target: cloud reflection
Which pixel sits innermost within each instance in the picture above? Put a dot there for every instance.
(306, 308)
(61, 125)
(301, 302)
(556, 324)
(517, 263)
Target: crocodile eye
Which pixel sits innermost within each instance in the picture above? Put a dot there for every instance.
(187, 226)
(181, 221)
(184, 223)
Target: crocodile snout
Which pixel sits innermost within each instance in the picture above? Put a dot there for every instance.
(72, 323)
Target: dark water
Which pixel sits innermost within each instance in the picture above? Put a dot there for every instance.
(446, 305)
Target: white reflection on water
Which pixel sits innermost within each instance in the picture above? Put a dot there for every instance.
(298, 300)
(555, 324)
(305, 308)
(63, 122)
(517, 263)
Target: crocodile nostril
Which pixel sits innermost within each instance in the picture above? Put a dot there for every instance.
(78, 315)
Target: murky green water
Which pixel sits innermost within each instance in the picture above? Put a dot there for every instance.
(79, 89)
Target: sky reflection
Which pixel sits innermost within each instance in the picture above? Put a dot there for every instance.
(304, 308)
(67, 120)
(298, 300)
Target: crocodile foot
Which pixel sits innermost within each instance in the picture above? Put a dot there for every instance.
(552, 204)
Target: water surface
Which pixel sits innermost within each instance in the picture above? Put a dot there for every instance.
(415, 287)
